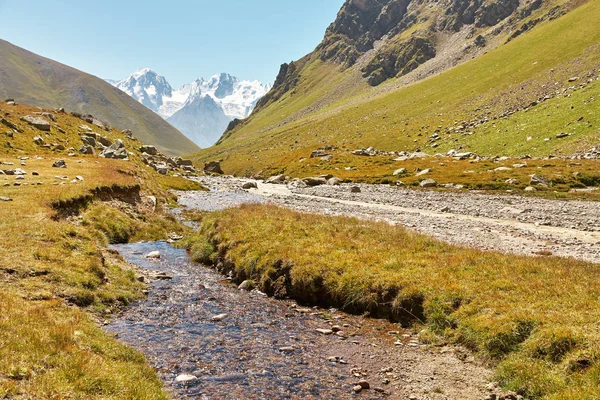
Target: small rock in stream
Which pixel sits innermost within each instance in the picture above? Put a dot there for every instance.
(219, 317)
(287, 349)
(364, 384)
(153, 254)
(185, 378)
(324, 331)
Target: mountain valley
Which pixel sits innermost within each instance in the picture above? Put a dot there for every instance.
(410, 211)
(202, 110)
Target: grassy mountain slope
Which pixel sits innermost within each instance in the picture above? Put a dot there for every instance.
(32, 79)
(58, 280)
(329, 105)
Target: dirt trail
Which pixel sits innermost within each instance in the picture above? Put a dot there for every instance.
(505, 223)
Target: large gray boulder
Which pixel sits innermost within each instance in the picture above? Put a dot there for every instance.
(37, 122)
(213, 167)
(151, 150)
(428, 183)
(89, 141)
(87, 149)
(314, 181)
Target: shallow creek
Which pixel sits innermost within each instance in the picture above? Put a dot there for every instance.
(271, 349)
(239, 357)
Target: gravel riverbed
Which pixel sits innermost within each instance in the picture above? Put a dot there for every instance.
(506, 223)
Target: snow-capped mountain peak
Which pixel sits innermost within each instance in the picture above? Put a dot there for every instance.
(147, 87)
(201, 109)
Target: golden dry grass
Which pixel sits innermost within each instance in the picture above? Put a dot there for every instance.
(56, 278)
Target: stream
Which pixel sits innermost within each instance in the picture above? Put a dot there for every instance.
(208, 339)
(264, 349)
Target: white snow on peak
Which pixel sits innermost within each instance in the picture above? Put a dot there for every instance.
(235, 98)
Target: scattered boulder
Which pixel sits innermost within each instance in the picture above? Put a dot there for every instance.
(246, 285)
(37, 122)
(318, 153)
(369, 152)
(400, 171)
(89, 140)
(10, 125)
(213, 167)
(334, 181)
(151, 150)
(38, 140)
(86, 149)
(287, 349)
(5, 199)
(424, 172)
(512, 181)
(59, 164)
(539, 180)
(314, 181)
(276, 179)
(249, 185)
(462, 156)
(184, 163)
(104, 141)
(116, 151)
(428, 183)
(503, 169)
(530, 189)
(355, 189)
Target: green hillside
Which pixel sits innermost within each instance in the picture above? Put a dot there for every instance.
(35, 80)
(333, 106)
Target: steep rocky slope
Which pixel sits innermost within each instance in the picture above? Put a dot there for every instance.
(431, 76)
(32, 79)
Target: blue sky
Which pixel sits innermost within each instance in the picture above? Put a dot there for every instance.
(180, 39)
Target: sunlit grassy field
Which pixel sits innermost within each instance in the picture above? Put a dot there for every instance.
(534, 319)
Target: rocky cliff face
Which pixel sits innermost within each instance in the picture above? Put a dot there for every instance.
(393, 37)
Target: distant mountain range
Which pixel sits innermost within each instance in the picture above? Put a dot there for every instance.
(201, 109)
(32, 79)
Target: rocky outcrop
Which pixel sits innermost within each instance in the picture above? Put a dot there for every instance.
(360, 24)
(399, 60)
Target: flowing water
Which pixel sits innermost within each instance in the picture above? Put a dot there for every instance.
(240, 357)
